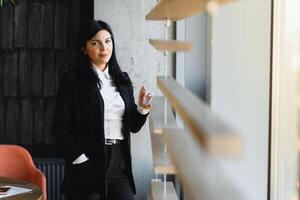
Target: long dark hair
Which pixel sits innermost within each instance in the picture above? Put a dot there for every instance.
(87, 32)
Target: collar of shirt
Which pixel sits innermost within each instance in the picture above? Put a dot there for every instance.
(102, 74)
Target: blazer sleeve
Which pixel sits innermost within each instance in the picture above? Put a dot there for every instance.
(137, 120)
(61, 124)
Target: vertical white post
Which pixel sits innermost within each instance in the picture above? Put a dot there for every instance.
(167, 24)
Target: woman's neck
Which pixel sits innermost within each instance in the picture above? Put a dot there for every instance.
(102, 67)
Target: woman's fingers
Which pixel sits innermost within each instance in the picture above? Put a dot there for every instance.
(143, 90)
(148, 99)
(142, 94)
(145, 98)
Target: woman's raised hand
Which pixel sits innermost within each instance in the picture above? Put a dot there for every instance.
(145, 98)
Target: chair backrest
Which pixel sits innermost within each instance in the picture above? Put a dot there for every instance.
(16, 162)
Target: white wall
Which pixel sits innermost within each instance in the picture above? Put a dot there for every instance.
(240, 87)
(141, 61)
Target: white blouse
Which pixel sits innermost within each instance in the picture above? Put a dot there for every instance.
(114, 106)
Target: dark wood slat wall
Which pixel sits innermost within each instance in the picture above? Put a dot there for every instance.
(20, 24)
(10, 73)
(38, 43)
(60, 25)
(36, 75)
(7, 27)
(1, 77)
(12, 120)
(26, 121)
(73, 24)
(1, 19)
(2, 114)
(49, 111)
(60, 66)
(72, 59)
(49, 73)
(24, 74)
(38, 108)
(34, 17)
(47, 23)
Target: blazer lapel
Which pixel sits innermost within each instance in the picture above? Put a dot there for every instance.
(97, 101)
(90, 83)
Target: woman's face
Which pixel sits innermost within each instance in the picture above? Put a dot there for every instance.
(99, 48)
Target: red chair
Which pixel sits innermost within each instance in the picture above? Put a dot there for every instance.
(16, 162)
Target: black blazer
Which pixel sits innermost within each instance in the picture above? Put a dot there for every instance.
(78, 127)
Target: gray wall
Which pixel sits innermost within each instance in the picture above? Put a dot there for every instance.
(240, 87)
(193, 66)
(141, 61)
(196, 61)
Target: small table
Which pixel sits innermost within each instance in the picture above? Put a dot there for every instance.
(35, 194)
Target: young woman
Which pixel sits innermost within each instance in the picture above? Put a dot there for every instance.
(94, 115)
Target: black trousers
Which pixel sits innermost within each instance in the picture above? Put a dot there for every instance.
(118, 186)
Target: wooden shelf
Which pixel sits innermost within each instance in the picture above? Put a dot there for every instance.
(202, 176)
(156, 117)
(156, 191)
(214, 135)
(178, 9)
(171, 45)
(161, 161)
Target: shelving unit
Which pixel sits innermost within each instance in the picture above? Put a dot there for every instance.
(203, 178)
(179, 9)
(189, 148)
(214, 135)
(156, 117)
(161, 161)
(156, 192)
(171, 45)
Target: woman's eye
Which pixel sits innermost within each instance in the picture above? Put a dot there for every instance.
(95, 43)
(108, 41)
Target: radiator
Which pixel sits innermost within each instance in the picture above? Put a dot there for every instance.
(54, 172)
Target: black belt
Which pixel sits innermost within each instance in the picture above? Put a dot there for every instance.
(112, 141)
